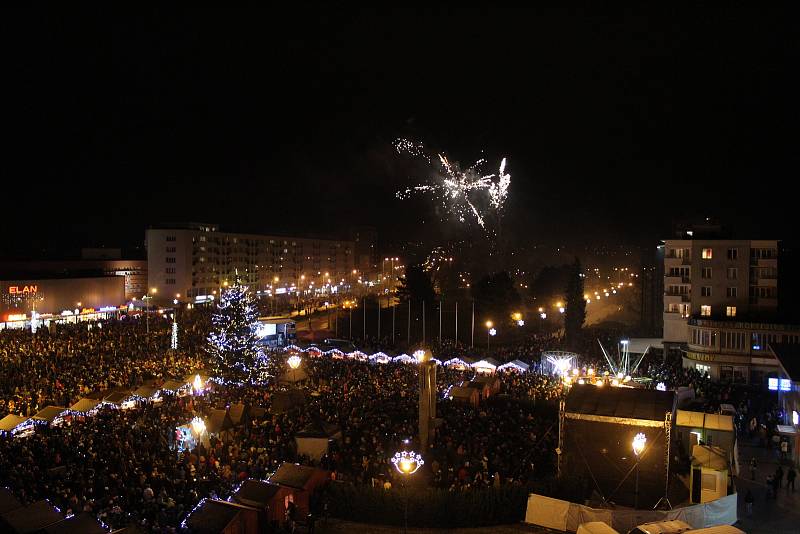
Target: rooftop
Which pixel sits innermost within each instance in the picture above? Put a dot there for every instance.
(629, 403)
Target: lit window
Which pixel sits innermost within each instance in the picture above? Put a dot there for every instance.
(730, 311)
(705, 310)
(707, 253)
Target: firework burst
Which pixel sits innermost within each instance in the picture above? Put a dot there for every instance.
(467, 195)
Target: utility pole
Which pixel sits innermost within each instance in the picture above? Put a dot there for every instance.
(423, 322)
(408, 336)
(440, 322)
(379, 317)
(393, 310)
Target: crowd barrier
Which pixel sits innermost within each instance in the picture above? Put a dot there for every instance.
(566, 516)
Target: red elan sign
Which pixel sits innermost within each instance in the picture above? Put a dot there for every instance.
(21, 290)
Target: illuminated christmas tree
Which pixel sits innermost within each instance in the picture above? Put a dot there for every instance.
(232, 343)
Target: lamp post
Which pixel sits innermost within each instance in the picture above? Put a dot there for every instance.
(639, 442)
(146, 300)
(407, 463)
(294, 363)
(490, 331)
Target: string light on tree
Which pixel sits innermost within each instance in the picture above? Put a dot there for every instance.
(233, 342)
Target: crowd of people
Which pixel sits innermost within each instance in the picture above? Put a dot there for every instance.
(56, 367)
(128, 466)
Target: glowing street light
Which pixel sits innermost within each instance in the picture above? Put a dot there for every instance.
(490, 331)
(639, 442)
(197, 384)
(199, 426)
(407, 463)
(422, 356)
(294, 363)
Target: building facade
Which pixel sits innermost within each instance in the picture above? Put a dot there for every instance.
(196, 260)
(133, 271)
(59, 297)
(717, 279)
(736, 351)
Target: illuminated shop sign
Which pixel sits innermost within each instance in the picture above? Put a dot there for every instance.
(783, 384)
(21, 290)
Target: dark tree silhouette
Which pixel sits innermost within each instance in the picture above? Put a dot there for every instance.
(496, 296)
(575, 314)
(416, 286)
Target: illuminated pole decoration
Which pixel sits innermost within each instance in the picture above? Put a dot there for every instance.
(427, 395)
(233, 342)
(174, 340)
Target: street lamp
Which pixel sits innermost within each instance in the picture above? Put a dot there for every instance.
(294, 363)
(147, 298)
(639, 442)
(197, 384)
(406, 463)
(199, 426)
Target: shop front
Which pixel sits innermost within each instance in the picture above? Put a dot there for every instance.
(38, 303)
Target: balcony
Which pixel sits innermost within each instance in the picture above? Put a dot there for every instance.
(671, 280)
(674, 298)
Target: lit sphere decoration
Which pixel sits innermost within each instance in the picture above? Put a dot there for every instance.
(407, 462)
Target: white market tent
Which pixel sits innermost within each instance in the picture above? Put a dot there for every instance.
(515, 365)
(485, 366)
(85, 405)
(11, 422)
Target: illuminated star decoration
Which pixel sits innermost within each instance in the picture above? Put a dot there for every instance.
(465, 195)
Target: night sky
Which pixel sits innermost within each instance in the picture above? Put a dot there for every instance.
(614, 125)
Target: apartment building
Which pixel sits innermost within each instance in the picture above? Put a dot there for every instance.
(717, 279)
(193, 261)
(720, 305)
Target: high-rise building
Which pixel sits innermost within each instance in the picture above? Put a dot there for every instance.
(196, 260)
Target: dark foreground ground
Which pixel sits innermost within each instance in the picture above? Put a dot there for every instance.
(344, 527)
